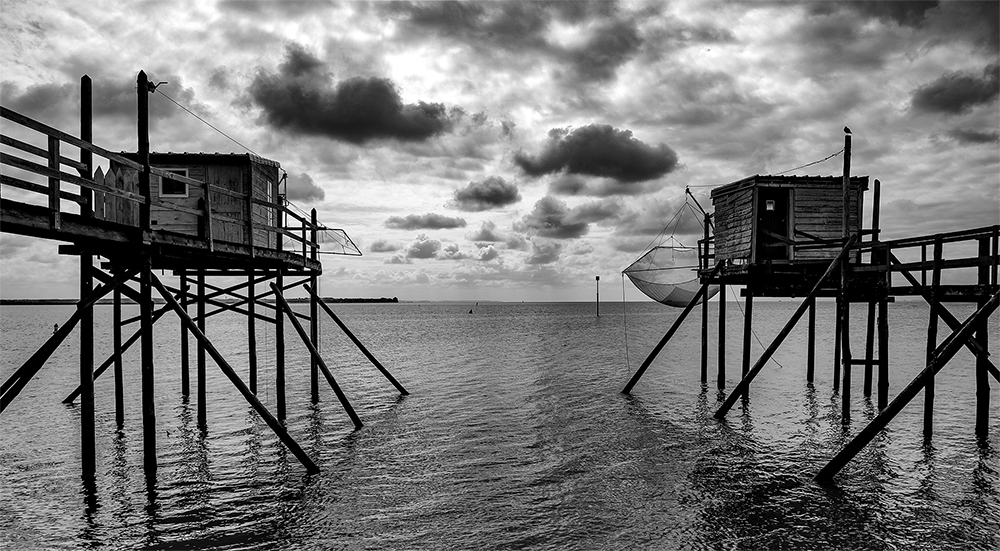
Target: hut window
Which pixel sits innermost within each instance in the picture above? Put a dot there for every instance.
(769, 205)
(173, 188)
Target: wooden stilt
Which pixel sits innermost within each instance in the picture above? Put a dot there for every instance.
(118, 351)
(704, 341)
(702, 293)
(234, 378)
(361, 347)
(744, 384)
(319, 360)
(932, 326)
(279, 353)
(869, 349)
(747, 333)
(185, 351)
(314, 314)
(941, 355)
(811, 350)
(200, 368)
(837, 333)
(982, 375)
(845, 356)
(148, 401)
(87, 437)
(704, 312)
(844, 307)
(11, 387)
(883, 354)
(722, 337)
(252, 332)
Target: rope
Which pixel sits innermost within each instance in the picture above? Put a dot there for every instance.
(740, 305)
(204, 121)
(628, 365)
(828, 157)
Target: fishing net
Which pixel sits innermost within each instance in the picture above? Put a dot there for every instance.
(668, 274)
(333, 241)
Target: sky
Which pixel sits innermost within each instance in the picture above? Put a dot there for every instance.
(515, 150)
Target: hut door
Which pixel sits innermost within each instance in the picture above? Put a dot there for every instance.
(772, 224)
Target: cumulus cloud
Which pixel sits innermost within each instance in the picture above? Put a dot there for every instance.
(429, 221)
(599, 150)
(451, 252)
(423, 247)
(302, 188)
(302, 98)
(544, 251)
(551, 218)
(383, 246)
(487, 233)
(954, 93)
(487, 253)
(492, 192)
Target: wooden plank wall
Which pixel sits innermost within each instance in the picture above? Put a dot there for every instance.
(817, 211)
(733, 226)
(230, 177)
(112, 208)
(171, 220)
(264, 184)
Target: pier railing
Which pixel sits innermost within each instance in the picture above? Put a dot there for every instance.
(46, 177)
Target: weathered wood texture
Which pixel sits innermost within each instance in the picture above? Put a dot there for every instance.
(733, 226)
(114, 208)
(816, 209)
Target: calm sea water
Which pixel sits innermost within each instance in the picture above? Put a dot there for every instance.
(515, 436)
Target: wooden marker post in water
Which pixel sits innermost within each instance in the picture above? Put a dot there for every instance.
(598, 278)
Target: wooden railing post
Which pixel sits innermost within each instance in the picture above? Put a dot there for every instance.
(142, 89)
(55, 220)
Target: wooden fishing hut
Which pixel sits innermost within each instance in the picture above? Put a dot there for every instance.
(802, 236)
(200, 217)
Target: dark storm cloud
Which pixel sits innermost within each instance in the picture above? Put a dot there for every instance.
(551, 218)
(955, 93)
(429, 221)
(302, 98)
(302, 188)
(493, 192)
(599, 150)
(383, 246)
(544, 251)
(967, 136)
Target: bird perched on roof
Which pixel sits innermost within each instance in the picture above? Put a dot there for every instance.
(847, 130)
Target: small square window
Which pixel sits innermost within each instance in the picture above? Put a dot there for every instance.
(174, 188)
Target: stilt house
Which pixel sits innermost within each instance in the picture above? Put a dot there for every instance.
(783, 223)
(252, 181)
